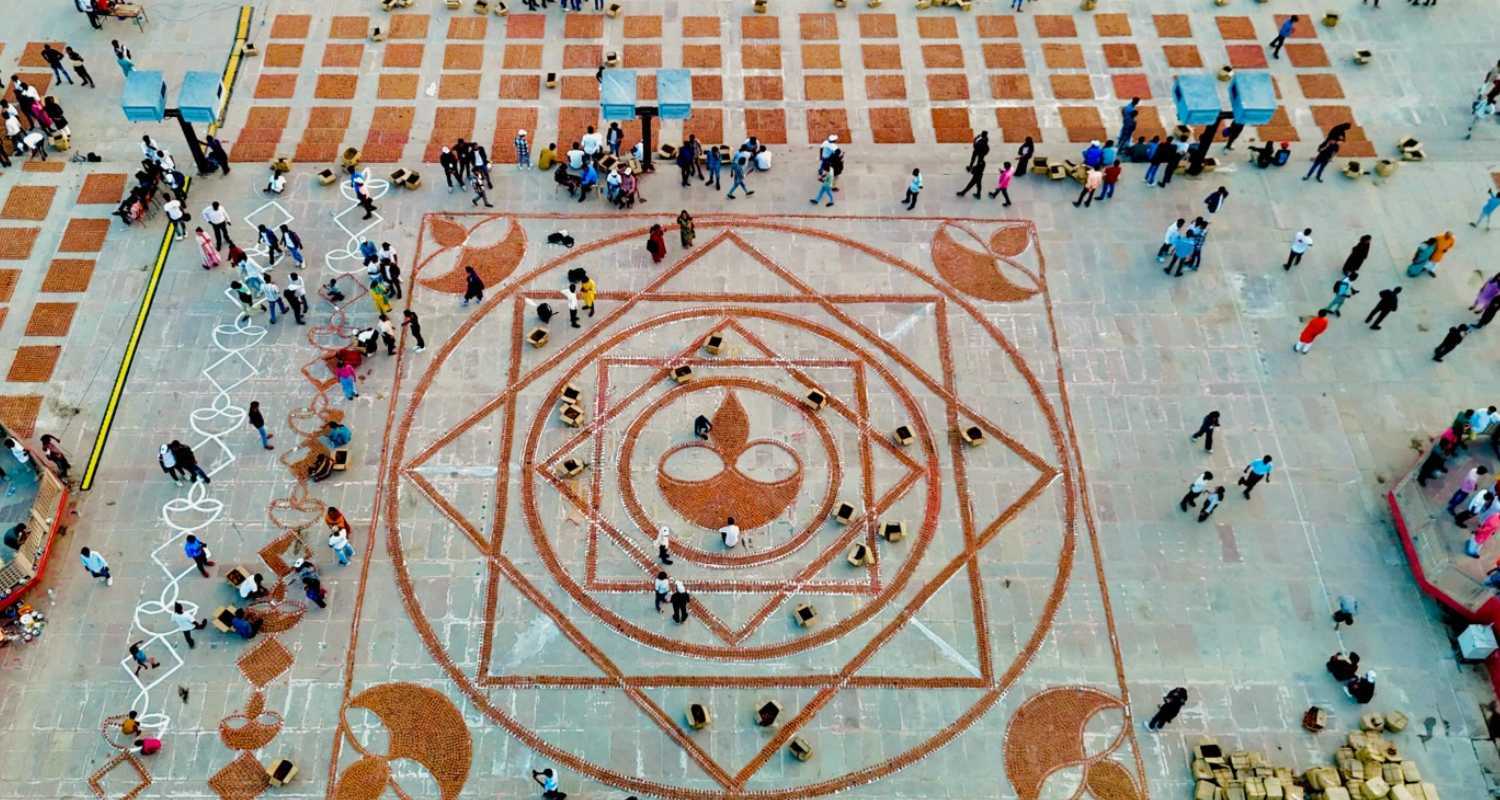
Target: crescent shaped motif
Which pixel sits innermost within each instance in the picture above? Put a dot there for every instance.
(1109, 780)
(1046, 735)
(423, 726)
(976, 273)
(365, 779)
(731, 493)
(494, 263)
(446, 232)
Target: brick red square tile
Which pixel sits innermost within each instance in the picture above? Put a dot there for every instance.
(951, 125)
(534, 26)
(16, 243)
(408, 26)
(881, 56)
(343, 55)
(821, 56)
(1148, 123)
(1246, 56)
(19, 413)
(1302, 28)
(336, 87)
(645, 87)
(641, 56)
(885, 87)
(267, 117)
(353, 27)
(449, 124)
(760, 56)
(403, 56)
(1306, 55)
(1235, 27)
(580, 87)
(937, 27)
(463, 56)
(277, 85)
(51, 319)
(1083, 123)
(28, 203)
(1003, 55)
(395, 86)
(878, 26)
(34, 363)
(1172, 26)
(31, 55)
(65, 275)
(291, 26)
(55, 165)
(1112, 24)
(993, 26)
(459, 86)
(816, 27)
(1132, 85)
(759, 27)
(329, 117)
(523, 56)
(708, 87)
(1055, 26)
(699, 27)
(8, 280)
(467, 27)
(763, 88)
(283, 55)
(317, 150)
(1322, 86)
(700, 56)
(1279, 129)
(705, 123)
(1010, 86)
(256, 150)
(102, 188)
(822, 87)
(825, 122)
(766, 124)
(507, 122)
(891, 125)
(393, 117)
(1182, 56)
(520, 87)
(573, 122)
(582, 56)
(949, 86)
(942, 56)
(1119, 55)
(1062, 56)
(84, 236)
(582, 26)
(643, 26)
(1072, 87)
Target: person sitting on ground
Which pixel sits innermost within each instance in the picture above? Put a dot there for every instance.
(1361, 689)
(336, 435)
(565, 179)
(1263, 156)
(629, 190)
(1343, 669)
(701, 427)
(331, 292)
(1283, 155)
(253, 588)
(548, 157)
(576, 157)
(244, 625)
(276, 183)
(731, 534)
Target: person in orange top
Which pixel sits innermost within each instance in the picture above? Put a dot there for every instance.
(1444, 244)
(1311, 331)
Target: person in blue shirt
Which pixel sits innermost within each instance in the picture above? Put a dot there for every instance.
(1093, 154)
(1108, 155)
(1128, 113)
(1281, 34)
(1255, 472)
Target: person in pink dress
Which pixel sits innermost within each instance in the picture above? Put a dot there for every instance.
(209, 251)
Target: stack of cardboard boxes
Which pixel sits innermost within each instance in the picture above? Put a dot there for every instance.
(1369, 767)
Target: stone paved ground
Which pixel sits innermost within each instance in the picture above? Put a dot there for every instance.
(870, 305)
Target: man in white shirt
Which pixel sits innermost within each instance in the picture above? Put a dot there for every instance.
(571, 295)
(1301, 243)
(1200, 485)
(575, 157)
(216, 216)
(185, 623)
(173, 207)
(731, 534)
(763, 159)
(593, 143)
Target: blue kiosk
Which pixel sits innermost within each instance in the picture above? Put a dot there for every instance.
(1252, 99)
(674, 100)
(144, 99)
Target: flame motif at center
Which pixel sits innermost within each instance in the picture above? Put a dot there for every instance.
(730, 493)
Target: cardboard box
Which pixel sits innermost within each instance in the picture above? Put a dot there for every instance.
(1239, 760)
(1357, 739)
(1400, 792)
(1273, 789)
(1295, 792)
(1202, 771)
(1409, 772)
(1376, 789)
(1430, 790)
(1391, 773)
(1235, 791)
(1337, 793)
(1255, 789)
(1205, 790)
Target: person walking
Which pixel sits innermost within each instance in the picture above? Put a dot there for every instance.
(198, 553)
(218, 219)
(1491, 203)
(142, 661)
(268, 239)
(546, 778)
(1171, 706)
(1443, 242)
(1206, 430)
(207, 249)
(715, 164)
(338, 535)
(122, 58)
(685, 230)
(175, 216)
(976, 178)
(1002, 183)
(737, 174)
(168, 461)
(1184, 248)
(913, 188)
(186, 624)
(680, 599)
(1321, 160)
(1281, 34)
(295, 294)
(1255, 472)
(656, 244)
(1383, 307)
(95, 565)
(663, 588)
(825, 188)
(473, 287)
(588, 292)
(1023, 156)
(188, 461)
(449, 162)
(1343, 289)
(482, 164)
(1173, 231)
(1215, 200)
(1311, 331)
(346, 377)
(570, 294)
(288, 239)
(1301, 243)
(1357, 256)
(664, 545)
(980, 149)
(480, 195)
(54, 58)
(411, 323)
(1451, 340)
(1128, 114)
(1489, 313)
(1489, 291)
(1111, 178)
(1211, 504)
(1093, 178)
(54, 453)
(216, 154)
(1466, 488)
(1198, 487)
(258, 422)
(78, 66)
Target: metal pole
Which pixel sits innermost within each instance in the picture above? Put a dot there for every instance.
(1195, 161)
(194, 146)
(646, 113)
